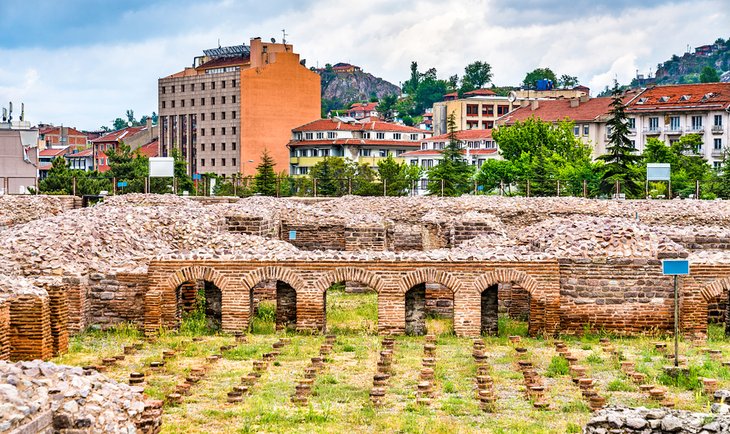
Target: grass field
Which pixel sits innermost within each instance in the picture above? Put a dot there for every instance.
(340, 400)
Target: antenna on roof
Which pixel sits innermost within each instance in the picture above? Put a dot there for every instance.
(284, 35)
(219, 42)
(22, 111)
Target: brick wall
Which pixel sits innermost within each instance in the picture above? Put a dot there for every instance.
(253, 225)
(366, 238)
(4, 330)
(117, 298)
(30, 328)
(314, 236)
(405, 237)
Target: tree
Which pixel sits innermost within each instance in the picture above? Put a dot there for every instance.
(386, 107)
(453, 175)
(477, 74)
(494, 173)
(429, 91)
(411, 85)
(59, 179)
(722, 184)
(394, 175)
(265, 178)
(620, 157)
(566, 81)
(119, 124)
(531, 78)
(453, 82)
(709, 75)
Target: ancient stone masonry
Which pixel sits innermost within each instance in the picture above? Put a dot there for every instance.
(658, 420)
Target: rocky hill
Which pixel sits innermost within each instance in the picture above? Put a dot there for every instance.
(342, 88)
(687, 68)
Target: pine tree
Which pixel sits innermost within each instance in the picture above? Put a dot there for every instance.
(621, 156)
(453, 175)
(265, 179)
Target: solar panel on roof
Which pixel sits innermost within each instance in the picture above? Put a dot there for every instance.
(232, 51)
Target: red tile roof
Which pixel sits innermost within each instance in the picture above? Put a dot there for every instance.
(705, 96)
(354, 142)
(52, 152)
(367, 107)
(463, 135)
(57, 131)
(553, 110)
(387, 126)
(479, 92)
(44, 166)
(370, 125)
(116, 136)
(151, 149)
(81, 154)
(435, 152)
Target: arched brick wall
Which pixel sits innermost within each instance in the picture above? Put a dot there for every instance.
(284, 274)
(508, 275)
(715, 289)
(349, 274)
(429, 275)
(193, 273)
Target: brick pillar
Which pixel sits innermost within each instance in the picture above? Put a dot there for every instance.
(4, 330)
(416, 310)
(439, 301)
(58, 305)
(30, 328)
(489, 311)
(152, 312)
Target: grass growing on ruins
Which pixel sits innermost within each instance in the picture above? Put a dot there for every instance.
(264, 319)
(349, 313)
(340, 399)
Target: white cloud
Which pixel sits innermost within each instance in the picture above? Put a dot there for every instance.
(89, 86)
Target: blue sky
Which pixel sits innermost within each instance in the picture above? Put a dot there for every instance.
(85, 62)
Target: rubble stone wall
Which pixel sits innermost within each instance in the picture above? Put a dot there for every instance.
(117, 298)
(617, 295)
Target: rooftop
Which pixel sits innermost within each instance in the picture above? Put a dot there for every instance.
(682, 97)
(553, 110)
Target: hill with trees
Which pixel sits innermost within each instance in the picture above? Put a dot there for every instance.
(342, 87)
(708, 63)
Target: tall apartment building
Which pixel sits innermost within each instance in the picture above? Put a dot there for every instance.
(476, 111)
(233, 103)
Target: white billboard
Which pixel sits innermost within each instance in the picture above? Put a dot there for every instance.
(162, 167)
(658, 172)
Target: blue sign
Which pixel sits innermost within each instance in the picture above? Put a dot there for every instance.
(292, 235)
(675, 267)
(196, 176)
(121, 183)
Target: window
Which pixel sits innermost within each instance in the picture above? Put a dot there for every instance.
(192, 102)
(223, 84)
(202, 161)
(320, 135)
(223, 147)
(163, 90)
(325, 152)
(233, 130)
(212, 116)
(303, 170)
(223, 131)
(308, 136)
(202, 147)
(233, 97)
(576, 130)
(586, 129)
(383, 153)
(718, 144)
(364, 152)
(192, 87)
(212, 132)
(223, 115)
(182, 103)
(414, 137)
(202, 101)
(182, 88)
(424, 146)
(212, 147)
(331, 135)
(163, 104)
(315, 152)
(233, 148)
(233, 162)
(633, 143)
(380, 136)
(472, 109)
(212, 162)
(632, 123)
(717, 165)
(396, 136)
(223, 160)
(366, 135)
(233, 84)
(233, 114)
(202, 116)
(212, 86)
(212, 100)
(414, 162)
(173, 88)
(674, 123)
(202, 133)
(718, 121)
(173, 103)
(654, 124)
(223, 99)
(202, 86)
(696, 123)
(502, 110)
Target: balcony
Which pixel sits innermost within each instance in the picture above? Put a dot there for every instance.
(652, 131)
(632, 131)
(718, 153)
(673, 130)
(717, 129)
(696, 129)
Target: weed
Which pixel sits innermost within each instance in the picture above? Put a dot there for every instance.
(594, 359)
(618, 385)
(558, 366)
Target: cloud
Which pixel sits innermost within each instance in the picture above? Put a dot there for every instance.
(91, 70)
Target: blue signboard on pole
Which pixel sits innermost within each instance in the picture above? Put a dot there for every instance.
(121, 184)
(196, 176)
(675, 267)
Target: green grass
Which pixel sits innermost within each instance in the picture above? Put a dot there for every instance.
(264, 320)
(558, 366)
(351, 313)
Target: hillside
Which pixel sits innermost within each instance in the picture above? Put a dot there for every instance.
(343, 84)
(687, 68)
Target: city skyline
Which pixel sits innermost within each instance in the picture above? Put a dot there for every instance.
(83, 65)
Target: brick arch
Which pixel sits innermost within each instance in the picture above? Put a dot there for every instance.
(283, 274)
(527, 282)
(715, 289)
(429, 275)
(349, 274)
(193, 273)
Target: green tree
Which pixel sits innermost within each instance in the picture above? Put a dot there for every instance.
(722, 182)
(131, 167)
(387, 107)
(411, 85)
(119, 124)
(265, 178)
(394, 175)
(495, 173)
(477, 74)
(620, 157)
(429, 91)
(531, 78)
(709, 75)
(567, 81)
(59, 178)
(453, 175)
(332, 175)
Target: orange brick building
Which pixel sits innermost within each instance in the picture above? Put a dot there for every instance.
(235, 102)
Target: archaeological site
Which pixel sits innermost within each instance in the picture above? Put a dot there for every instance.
(94, 301)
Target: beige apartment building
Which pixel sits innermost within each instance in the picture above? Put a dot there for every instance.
(477, 112)
(233, 103)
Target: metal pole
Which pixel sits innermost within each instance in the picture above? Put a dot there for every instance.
(676, 322)
(558, 188)
(114, 185)
(385, 187)
(315, 187)
(74, 185)
(501, 187)
(697, 189)
(528, 188)
(585, 188)
(442, 187)
(349, 186)
(669, 196)
(278, 185)
(234, 184)
(475, 187)
(647, 189)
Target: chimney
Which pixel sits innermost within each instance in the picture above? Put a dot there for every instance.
(534, 104)
(574, 102)
(149, 123)
(524, 103)
(584, 98)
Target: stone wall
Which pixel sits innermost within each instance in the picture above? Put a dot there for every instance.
(617, 295)
(117, 298)
(490, 311)
(403, 237)
(253, 225)
(439, 301)
(366, 238)
(286, 306)
(658, 420)
(314, 236)
(514, 301)
(416, 310)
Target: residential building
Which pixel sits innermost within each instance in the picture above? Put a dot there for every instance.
(363, 142)
(62, 137)
(18, 156)
(80, 159)
(45, 159)
(477, 146)
(471, 112)
(363, 110)
(134, 137)
(575, 92)
(669, 112)
(427, 120)
(453, 96)
(588, 114)
(345, 68)
(234, 103)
